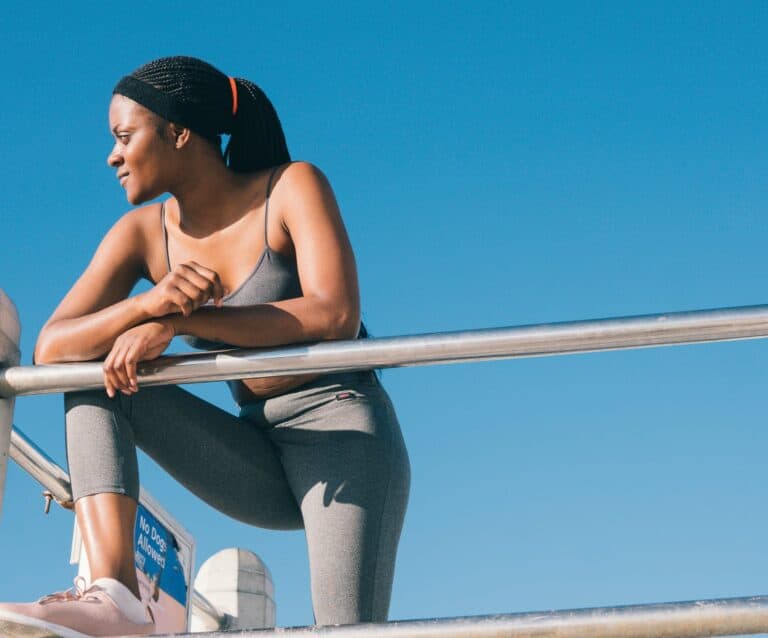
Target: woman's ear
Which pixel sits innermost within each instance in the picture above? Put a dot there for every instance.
(179, 135)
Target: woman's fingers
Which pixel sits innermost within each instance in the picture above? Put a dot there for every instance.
(116, 376)
(199, 277)
(141, 342)
(111, 380)
(198, 284)
(183, 296)
(184, 290)
(108, 386)
(211, 277)
(119, 375)
(197, 288)
(132, 357)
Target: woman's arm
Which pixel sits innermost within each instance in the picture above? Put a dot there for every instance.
(330, 305)
(97, 310)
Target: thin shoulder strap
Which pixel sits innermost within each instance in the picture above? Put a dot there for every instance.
(165, 236)
(266, 206)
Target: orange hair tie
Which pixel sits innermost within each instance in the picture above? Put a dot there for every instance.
(233, 84)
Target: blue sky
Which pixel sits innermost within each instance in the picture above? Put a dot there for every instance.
(496, 165)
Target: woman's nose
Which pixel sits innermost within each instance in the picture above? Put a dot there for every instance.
(114, 158)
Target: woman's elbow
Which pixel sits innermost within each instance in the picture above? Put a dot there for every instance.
(43, 352)
(344, 324)
(48, 348)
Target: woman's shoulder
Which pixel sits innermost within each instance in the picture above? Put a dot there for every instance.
(297, 179)
(140, 219)
(135, 226)
(298, 170)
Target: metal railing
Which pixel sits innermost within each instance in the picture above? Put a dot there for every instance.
(41, 467)
(642, 331)
(701, 618)
(721, 617)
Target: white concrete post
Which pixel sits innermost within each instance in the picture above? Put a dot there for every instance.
(239, 586)
(10, 331)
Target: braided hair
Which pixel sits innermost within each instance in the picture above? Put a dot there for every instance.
(196, 95)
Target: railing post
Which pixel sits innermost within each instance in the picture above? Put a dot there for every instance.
(10, 331)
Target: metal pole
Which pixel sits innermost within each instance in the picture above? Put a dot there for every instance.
(724, 617)
(10, 331)
(30, 458)
(449, 347)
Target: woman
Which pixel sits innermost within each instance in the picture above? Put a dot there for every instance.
(249, 250)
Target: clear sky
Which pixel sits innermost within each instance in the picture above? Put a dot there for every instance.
(496, 164)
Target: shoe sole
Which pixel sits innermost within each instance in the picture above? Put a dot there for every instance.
(18, 626)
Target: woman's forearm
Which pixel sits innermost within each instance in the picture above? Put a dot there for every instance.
(90, 336)
(291, 321)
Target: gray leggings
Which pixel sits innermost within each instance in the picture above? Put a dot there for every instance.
(327, 457)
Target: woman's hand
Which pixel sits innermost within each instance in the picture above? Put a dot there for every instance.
(140, 343)
(183, 290)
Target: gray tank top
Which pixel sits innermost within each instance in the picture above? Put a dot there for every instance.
(274, 278)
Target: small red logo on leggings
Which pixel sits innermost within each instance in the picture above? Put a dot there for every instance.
(344, 395)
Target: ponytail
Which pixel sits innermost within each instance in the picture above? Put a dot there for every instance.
(257, 140)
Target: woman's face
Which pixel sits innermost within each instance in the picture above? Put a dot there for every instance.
(141, 154)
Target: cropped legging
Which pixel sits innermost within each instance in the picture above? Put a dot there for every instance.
(327, 457)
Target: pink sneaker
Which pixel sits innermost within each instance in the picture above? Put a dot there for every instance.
(79, 612)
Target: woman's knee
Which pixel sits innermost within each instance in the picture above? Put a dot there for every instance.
(94, 406)
(93, 399)
(100, 447)
(93, 420)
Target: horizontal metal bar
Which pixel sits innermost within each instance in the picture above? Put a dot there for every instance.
(448, 347)
(724, 617)
(56, 481)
